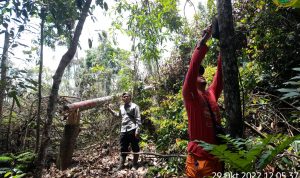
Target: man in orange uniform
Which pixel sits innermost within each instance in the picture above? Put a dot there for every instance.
(201, 106)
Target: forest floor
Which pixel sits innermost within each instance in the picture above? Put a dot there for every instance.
(98, 161)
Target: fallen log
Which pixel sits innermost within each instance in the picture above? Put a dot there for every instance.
(88, 104)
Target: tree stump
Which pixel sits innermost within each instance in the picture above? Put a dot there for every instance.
(68, 142)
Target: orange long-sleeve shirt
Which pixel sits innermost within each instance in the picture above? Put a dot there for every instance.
(200, 124)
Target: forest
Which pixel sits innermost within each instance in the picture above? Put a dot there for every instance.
(56, 121)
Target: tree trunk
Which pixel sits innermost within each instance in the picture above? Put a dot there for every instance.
(3, 72)
(66, 59)
(88, 104)
(38, 119)
(135, 71)
(108, 84)
(230, 69)
(9, 126)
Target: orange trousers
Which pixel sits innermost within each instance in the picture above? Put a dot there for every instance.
(198, 168)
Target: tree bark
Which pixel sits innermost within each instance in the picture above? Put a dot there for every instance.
(135, 68)
(88, 104)
(66, 59)
(3, 71)
(9, 126)
(108, 84)
(38, 119)
(68, 142)
(230, 69)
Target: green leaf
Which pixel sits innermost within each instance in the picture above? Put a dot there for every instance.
(290, 95)
(6, 161)
(25, 155)
(105, 6)
(297, 69)
(8, 174)
(14, 45)
(17, 20)
(297, 77)
(21, 28)
(13, 94)
(287, 161)
(35, 83)
(292, 83)
(99, 2)
(270, 154)
(283, 90)
(20, 175)
(24, 13)
(31, 87)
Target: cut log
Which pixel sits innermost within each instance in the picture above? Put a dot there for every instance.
(88, 104)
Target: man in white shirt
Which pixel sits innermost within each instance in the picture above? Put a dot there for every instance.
(130, 127)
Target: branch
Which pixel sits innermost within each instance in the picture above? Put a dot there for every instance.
(255, 130)
(281, 100)
(289, 154)
(154, 154)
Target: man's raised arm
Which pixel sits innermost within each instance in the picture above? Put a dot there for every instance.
(197, 57)
(217, 85)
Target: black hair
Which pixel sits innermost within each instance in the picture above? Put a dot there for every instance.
(126, 93)
(215, 28)
(201, 70)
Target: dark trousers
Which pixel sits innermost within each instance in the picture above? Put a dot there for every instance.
(129, 138)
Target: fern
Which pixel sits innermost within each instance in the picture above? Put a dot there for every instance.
(249, 155)
(294, 91)
(270, 154)
(26, 158)
(6, 161)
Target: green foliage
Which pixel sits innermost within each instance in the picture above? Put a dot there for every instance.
(149, 24)
(17, 13)
(271, 43)
(103, 66)
(171, 123)
(250, 74)
(292, 95)
(250, 155)
(209, 73)
(25, 160)
(294, 92)
(60, 20)
(212, 8)
(61, 17)
(6, 161)
(16, 166)
(152, 171)
(172, 168)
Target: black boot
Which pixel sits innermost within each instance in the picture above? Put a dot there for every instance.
(135, 161)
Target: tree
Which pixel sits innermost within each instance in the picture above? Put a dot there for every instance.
(230, 69)
(15, 14)
(3, 71)
(42, 16)
(65, 60)
(104, 64)
(149, 24)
